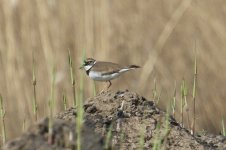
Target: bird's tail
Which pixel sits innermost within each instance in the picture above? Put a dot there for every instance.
(133, 67)
(129, 68)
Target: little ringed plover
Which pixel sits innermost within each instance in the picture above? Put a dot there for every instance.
(104, 71)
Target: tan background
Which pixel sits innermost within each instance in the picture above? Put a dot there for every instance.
(158, 35)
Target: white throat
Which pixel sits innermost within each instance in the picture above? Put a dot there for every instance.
(87, 67)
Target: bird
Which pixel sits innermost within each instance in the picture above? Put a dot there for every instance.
(104, 71)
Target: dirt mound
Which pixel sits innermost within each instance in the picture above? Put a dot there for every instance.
(127, 119)
(64, 137)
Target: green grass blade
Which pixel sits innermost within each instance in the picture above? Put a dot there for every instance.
(2, 117)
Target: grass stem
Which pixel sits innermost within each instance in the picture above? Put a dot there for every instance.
(64, 101)
(72, 76)
(173, 104)
(80, 110)
(34, 82)
(194, 93)
(108, 138)
(51, 107)
(2, 116)
(182, 102)
(223, 128)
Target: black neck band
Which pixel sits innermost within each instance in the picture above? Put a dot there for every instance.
(87, 71)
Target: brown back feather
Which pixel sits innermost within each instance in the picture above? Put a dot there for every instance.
(109, 67)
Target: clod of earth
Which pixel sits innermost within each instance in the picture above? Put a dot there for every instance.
(132, 121)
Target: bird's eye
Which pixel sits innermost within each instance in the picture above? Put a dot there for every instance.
(88, 62)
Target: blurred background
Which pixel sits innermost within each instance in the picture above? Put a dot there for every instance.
(159, 35)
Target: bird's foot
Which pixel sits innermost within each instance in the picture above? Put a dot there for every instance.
(104, 91)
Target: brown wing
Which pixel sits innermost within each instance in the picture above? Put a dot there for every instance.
(107, 67)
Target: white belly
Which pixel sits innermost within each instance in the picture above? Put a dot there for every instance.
(97, 76)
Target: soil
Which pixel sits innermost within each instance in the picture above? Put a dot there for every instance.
(130, 122)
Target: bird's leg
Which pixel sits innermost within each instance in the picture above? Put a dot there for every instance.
(107, 87)
(109, 84)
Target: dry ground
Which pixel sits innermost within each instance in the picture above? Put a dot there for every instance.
(137, 120)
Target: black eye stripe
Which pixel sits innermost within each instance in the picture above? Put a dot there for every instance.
(87, 62)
